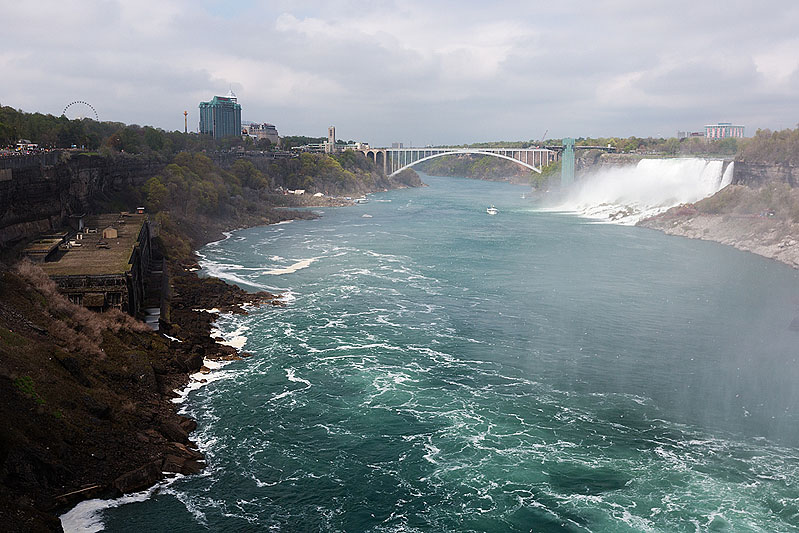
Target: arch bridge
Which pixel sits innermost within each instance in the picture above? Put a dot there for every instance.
(395, 160)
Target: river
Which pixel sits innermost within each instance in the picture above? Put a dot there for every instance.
(439, 369)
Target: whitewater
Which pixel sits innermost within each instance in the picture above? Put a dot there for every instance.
(438, 369)
(628, 194)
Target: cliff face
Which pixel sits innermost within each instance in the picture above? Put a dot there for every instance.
(759, 174)
(593, 160)
(37, 197)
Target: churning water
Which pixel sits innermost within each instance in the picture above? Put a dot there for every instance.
(627, 194)
(439, 369)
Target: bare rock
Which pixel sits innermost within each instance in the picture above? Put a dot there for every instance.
(181, 465)
(172, 431)
(139, 479)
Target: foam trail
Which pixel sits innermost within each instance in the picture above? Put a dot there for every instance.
(305, 263)
(222, 272)
(87, 516)
(625, 195)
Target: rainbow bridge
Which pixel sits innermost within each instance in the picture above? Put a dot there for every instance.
(395, 160)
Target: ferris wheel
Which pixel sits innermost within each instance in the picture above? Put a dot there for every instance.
(80, 110)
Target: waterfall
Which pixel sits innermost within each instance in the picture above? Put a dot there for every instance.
(625, 195)
(726, 179)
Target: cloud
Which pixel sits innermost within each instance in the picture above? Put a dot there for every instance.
(443, 72)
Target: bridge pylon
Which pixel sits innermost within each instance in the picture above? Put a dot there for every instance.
(567, 163)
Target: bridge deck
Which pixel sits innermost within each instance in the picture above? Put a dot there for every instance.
(395, 160)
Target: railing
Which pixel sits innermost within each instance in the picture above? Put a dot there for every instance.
(19, 161)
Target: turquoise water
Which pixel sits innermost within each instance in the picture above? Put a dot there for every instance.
(439, 369)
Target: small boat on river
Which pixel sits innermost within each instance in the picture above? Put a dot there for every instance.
(492, 210)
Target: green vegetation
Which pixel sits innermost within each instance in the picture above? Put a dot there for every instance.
(550, 172)
(772, 147)
(26, 387)
(778, 201)
(11, 339)
(192, 193)
(106, 138)
(672, 146)
(474, 166)
(488, 168)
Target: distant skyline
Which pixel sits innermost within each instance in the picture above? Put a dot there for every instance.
(448, 72)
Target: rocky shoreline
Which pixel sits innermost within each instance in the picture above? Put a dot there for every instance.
(154, 440)
(775, 240)
(739, 216)
(88, 405)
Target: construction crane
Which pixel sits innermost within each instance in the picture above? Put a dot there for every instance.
(541, 142)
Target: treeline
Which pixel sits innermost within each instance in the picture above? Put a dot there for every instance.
(772, 147)
(341, 174)
(642, 145)
(473, 166)
(291, 141)
(53, 132)
(192, 194)
(670, 146)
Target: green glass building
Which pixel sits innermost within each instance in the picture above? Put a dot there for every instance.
(221, 117)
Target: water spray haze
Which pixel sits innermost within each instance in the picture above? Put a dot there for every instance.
(628, 194)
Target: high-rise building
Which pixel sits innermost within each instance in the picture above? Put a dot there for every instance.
(723, 130)
(221, 117)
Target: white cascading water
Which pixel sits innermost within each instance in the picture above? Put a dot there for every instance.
(625, 195)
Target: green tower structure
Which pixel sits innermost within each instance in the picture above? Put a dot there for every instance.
(567, 163)
(221, 117)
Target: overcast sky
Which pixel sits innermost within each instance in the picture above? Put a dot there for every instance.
(413, 71)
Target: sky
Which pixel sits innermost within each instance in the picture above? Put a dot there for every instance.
(412, 71)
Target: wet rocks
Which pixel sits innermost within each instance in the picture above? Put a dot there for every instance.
(140, 478)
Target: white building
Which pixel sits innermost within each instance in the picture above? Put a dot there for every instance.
(724, 130)
(263, 131)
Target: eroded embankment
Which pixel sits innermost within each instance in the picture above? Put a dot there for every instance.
(759, 220)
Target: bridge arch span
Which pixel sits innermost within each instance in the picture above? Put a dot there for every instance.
(466, 151)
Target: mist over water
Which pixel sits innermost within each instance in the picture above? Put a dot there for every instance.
(439, 369)
(627, 194)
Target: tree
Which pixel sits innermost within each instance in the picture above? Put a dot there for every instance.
(157, 194)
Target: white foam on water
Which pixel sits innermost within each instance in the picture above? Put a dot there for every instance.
(291, 375)
(200, 379)
(227, 235)
(223, 271)
(235, 339)
(87, 517)
(625, 195)
(286, 297)
(299, 265)
(212, 310)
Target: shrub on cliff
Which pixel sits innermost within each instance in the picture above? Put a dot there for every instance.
(342, 174)
(75, 328)
(772, 147)
(723, 201)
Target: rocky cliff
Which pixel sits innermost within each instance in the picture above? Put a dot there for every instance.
(38, 197)
(755, 175)
(593, 160)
